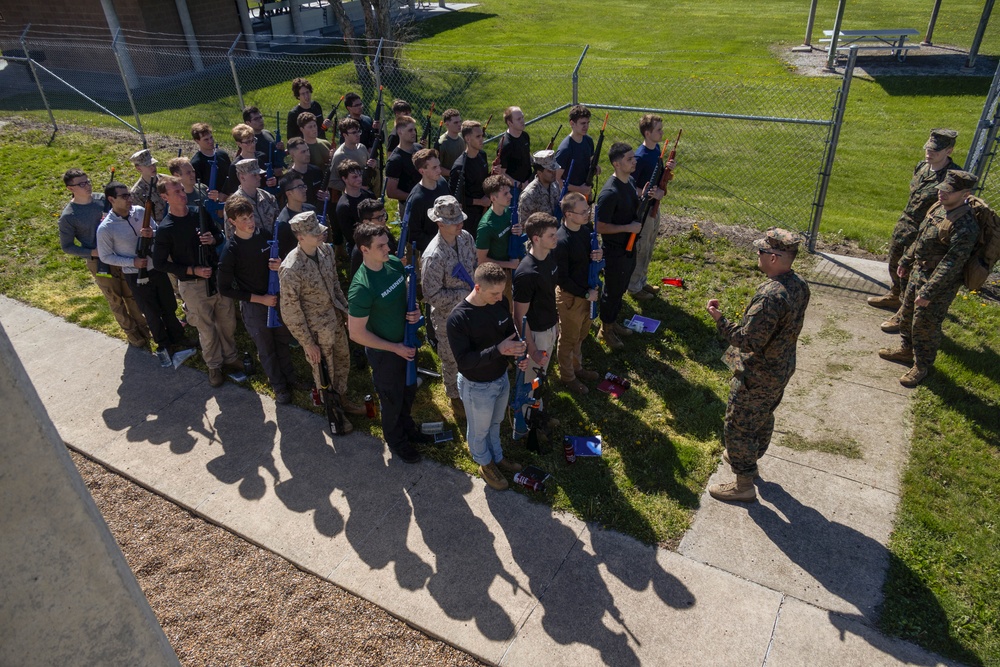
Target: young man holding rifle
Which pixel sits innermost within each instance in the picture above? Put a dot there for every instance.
(646, 157)
(577, 149)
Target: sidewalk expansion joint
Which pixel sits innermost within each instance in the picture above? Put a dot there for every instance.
(774, 631)
(834, 474)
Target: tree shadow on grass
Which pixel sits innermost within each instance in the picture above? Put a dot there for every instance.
(981, 413)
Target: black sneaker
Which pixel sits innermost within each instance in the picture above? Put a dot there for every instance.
(418, 438)
(406, 452)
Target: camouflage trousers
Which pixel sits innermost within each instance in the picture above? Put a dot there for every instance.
(920, 326)
(903, 235)
(749, 424)
(332, 343)
(449, 367)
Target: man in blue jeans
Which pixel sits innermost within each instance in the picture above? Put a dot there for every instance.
(482, 336)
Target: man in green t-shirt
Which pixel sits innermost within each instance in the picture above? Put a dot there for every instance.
(377, 317)
(493, 234)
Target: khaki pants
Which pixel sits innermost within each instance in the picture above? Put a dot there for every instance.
(644, 253)
(215, 318)
(123, 306)
(574, 327)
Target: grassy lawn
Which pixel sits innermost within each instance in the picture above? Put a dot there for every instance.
(701, 56)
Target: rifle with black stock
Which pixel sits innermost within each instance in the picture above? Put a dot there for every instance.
(557, 209)
(331, 118)
(668, 173)
(426, 136)
(331, 400)
(144, 244)
(278, 155)
(214, 208)
(594, 270)
(410, 338)
(515, 242)
(376, 147)
(552, 141)
(497, 161)
(437, 140)
(269, 173)
(206, 253)
(646, 202)
(404, 235)
(326, 189)
(596, 160)
(486, 125)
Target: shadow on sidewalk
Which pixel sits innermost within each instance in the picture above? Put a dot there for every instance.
(837, 556)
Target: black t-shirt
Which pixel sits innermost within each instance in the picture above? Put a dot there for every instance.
(282, 232)
(422, 229)
(400, 166)
(535, 285)
(617, 204)
(347, 213)
(470, 173)
(292, 126)
(577, 154)
(515, 157)
(572, 255)
(391, 141)
(474, 332)
(367, 133)
(314, 179)
(176, 243)
(243, 268)
(203, 169)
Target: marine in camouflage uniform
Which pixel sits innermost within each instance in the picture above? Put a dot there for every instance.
(542, 193)
(313, 305)
(935, 262)
(146, 185)
(265, 206)
(927, 175)
(762, 358)
(445, 251)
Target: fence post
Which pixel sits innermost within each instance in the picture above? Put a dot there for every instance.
(128, 90)
(930, 26)
(831, 148)
(576, 75)
(980, 31)
(34, 75)
(987, 127)
(807, 45)
(831, 59)
(232, 67)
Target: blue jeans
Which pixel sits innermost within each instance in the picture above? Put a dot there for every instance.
(485, 406)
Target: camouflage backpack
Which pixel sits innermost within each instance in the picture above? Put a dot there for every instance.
(987, 249)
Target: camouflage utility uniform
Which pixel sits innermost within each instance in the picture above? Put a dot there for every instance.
(444, 292)
(762, 358)
(923, 195)
(141, 190)
(935, 260)
(314, 309)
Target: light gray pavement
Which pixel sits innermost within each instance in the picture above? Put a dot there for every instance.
(794, 579)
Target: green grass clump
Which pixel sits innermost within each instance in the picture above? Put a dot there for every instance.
(841, 446)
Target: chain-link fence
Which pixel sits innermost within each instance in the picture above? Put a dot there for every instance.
(752, 152)
(983, 151)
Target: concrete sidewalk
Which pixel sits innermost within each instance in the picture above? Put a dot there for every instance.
(794, 579)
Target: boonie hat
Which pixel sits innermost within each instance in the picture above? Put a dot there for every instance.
(307, 223)
(546, 160)
(249, 166)
(143, 158)
(447, 211)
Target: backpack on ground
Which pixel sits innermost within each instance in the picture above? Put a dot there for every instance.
(987, 249)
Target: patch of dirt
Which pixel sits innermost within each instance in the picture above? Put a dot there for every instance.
(224, 601)
(936, 60)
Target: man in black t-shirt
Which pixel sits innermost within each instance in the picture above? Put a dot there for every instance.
(352, 174)
(535, 282)
(354, 106)
(515, 152)
(400, 174)
(423, 195)
(203, 158)
(467, 175)
(294, 190)
(615, 212)
(482, 336)
(302, 90)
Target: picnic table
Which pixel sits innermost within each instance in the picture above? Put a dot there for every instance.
(893, 39)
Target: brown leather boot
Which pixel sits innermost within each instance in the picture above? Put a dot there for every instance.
(888, 301)
(914, 376)
(891, 325)
(611, 338)
(491, 475)
(725, 458)
(741, 490)
(901, 355)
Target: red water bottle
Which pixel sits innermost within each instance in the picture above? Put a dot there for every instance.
(624, 383)
(568, 450)
(529, 482)
(369, 406)
(674, 282)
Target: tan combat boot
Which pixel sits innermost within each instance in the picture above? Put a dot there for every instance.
(891, 325)
(889, 301)
(901, 355)
(913, 376)
(611, 338)
(741, 490)
(493, 477)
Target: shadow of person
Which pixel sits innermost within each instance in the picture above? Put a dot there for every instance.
(465, 554)
(147, 409)
(846, 562)
(378, 512)
(247, 442)
(549, 551)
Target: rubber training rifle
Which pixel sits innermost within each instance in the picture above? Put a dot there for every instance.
(487, 125)
(404, 234)
(496, 161)
(273, 288)
(596, 160)
(144, 244)
(515, 242)
(552, 141)
(325, 188)
(278, 155)
(269, 174)
(331, 400)
(331, 118)
(426, 136)
(437, 140)
(410, 338)
(214, 208)
(557, 209)
(376, 147)
(646, 201)
(522, 390)
(594, 270)
(206, 253)
(460, 273)
(668, 174)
